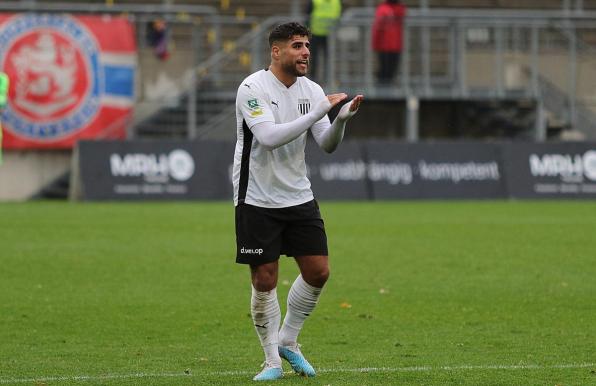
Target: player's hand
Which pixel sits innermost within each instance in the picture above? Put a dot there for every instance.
(356, 103)
(334, 99)
(325, 105)
(349, 109)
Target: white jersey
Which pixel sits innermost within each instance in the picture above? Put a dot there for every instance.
(272, 178)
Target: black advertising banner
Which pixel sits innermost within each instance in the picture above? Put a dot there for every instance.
(340, 175)
(153, 170)
(357, 170)
(435, 170)
(551, 170)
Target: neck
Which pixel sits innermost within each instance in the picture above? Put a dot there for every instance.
(283, 77)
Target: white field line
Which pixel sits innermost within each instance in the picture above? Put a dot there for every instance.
(84, 378)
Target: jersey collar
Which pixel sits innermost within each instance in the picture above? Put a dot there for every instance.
(279, 82)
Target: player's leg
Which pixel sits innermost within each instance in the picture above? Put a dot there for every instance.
(314, 269)
(266, 317)
(392, 63)
(324, 54)
(317, 45)
(303, 296)
(302, 300)
(305, 239)
(258, 239)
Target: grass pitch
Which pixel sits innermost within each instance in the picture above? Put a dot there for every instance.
(433, 293)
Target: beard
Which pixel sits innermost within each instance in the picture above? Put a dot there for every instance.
(291, 68)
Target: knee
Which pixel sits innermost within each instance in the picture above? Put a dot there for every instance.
(318, 278)
(264, 280)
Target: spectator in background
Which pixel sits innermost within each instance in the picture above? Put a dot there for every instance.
(387, 32)
(322, 16)
(157, 38)
(3, 101)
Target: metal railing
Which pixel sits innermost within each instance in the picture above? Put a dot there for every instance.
(479, 54)
(199, 37)
(259, 58)
(456, 54)
(166, 10)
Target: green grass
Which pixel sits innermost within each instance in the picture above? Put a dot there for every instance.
(440, 293)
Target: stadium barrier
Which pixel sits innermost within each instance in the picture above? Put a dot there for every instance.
(550, 170)
(358, 170)
(156, 170)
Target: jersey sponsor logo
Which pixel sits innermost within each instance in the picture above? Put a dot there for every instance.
(253, 105)
(303, 106)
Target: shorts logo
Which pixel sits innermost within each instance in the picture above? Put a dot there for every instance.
(51, 60)
(253, 104)
(303, 106)
(249, 251)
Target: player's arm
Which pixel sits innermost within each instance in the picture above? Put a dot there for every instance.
(329, 136)
(273, 135)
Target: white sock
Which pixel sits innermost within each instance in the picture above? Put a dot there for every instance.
(266, 316)
(302, 300)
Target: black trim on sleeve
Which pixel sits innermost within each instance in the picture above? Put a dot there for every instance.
(246, 148)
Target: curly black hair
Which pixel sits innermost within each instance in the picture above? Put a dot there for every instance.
(284, 32)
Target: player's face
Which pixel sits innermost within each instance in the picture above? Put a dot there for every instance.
(295, 56)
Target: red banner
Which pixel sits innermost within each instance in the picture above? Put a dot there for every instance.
(71, 78)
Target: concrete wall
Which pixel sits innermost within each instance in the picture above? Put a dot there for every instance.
(24, 173)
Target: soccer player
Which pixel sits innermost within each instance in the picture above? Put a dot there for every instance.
(276, 212)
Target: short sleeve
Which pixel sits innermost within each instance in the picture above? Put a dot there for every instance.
(252, 104)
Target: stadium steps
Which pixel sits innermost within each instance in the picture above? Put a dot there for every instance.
(56, 189)
(172, 121)
(500, 119)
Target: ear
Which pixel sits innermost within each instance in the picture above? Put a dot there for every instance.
(275, 52)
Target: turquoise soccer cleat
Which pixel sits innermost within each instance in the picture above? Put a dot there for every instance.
(299, 364)
(269, 373)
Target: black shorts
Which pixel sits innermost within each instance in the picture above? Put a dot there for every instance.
(263, 234)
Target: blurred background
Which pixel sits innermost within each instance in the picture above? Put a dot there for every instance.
(484, 98)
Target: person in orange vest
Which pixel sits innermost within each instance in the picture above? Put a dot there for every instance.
(322, 16)
(3, 101)
(387, 31)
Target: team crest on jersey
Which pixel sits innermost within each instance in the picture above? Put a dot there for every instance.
(52, 61)
(253, 105)
(303, 106)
